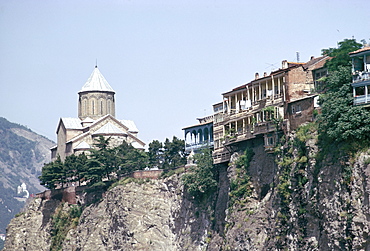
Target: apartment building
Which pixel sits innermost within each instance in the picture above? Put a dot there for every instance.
(361, 76)
(266, 106)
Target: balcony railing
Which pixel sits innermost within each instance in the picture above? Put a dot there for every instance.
(361, 76)
(250, 132)
(363, 99)
(221, 157)
(194, 146)
(264, 127)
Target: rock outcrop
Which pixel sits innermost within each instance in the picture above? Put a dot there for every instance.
(144, 215)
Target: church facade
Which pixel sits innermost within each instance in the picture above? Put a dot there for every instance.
(96, 117)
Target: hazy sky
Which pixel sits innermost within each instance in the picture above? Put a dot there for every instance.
(168, 61)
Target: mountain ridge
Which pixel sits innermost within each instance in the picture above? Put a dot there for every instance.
(23, 153)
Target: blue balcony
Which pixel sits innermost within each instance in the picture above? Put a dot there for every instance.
(198, 146)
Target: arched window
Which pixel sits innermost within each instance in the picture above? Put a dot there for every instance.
(109, 110)
(101, 107)
(85, 106)
(200, 136)
(206, 134)
(211, 133)
(93, 107)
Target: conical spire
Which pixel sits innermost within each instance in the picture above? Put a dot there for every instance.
(96, 82)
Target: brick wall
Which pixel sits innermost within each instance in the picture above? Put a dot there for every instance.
(65, 195)
(305, 115)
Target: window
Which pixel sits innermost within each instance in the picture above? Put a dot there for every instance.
(296, 109)
(269, 140)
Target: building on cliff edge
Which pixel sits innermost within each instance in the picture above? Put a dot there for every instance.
(96, 117)
(264, 107)
(361, 76)
(199, 136)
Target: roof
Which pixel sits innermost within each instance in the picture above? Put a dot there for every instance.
(367, 48)
(71, 123)
(75, 123)
(316, 62)
(109, 129)
(137, 145)
(130, 125)
(96, 82)
(202, 121)
(88, 120)
(306, 97)
(198, 125)
(82, 145)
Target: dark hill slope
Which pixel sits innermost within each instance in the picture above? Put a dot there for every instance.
(22, 155)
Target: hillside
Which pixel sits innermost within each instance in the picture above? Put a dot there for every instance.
(22, 155)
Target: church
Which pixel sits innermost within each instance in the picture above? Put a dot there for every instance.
(96, 117)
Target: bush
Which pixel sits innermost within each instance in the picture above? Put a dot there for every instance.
(200, 181)
(241, 186)
(61, 223)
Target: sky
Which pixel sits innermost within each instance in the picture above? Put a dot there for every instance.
(168, 61)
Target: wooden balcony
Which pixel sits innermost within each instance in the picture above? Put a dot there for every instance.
(221, 157)
(250, 132)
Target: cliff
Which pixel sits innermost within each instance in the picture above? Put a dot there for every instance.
(140, 215)
(293, 199)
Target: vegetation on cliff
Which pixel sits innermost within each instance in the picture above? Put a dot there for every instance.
(63, 220)
(106, 163)
(200, 179)
(241, 185)
(340, 121)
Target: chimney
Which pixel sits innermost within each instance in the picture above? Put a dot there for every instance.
(312, 58)
(265, 74)
(284, 64)
(256, 76)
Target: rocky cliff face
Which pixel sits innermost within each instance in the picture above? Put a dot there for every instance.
(150, 215)
(294, 199)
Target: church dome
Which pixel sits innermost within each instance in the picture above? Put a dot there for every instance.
(96, 98)
(96, 82)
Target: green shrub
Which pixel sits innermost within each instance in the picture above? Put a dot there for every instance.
(200, 180)
(241, 186)
(62, 222)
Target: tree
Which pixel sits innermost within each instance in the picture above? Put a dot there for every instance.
(103, 162)
(134, 160)
(200, 181)
(340, 120)
(155, 154)
(95, 171)
(174, 153)
(52, 174)
(106, 156)
(76, 167)
(340, 55)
